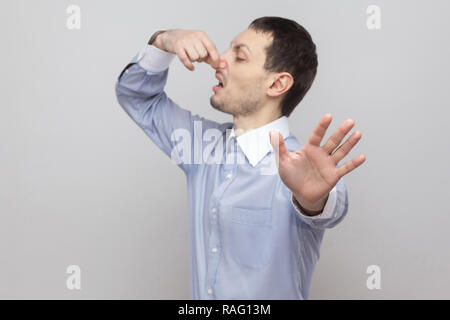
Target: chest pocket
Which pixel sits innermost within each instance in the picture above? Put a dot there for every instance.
(250, 234)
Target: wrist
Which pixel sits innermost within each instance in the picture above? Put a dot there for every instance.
(156, 39)
(310, 208)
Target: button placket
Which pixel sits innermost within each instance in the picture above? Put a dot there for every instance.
(214, 245)
(213, 252)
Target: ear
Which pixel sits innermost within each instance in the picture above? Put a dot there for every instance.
(281, 82)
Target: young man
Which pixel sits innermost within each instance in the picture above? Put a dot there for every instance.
(254, 233)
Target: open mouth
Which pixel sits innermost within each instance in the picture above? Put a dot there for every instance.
(218, 86)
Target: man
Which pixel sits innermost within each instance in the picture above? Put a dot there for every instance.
(253, 234)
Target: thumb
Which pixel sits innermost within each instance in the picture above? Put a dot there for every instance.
(277, 142)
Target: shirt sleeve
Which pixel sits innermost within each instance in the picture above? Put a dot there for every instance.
(140, 92)
(334, 211)
(154, 59)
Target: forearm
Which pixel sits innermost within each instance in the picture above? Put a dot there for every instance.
(142, 79)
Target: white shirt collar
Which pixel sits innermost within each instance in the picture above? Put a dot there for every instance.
(255, 143)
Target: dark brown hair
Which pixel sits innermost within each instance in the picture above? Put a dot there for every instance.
(292, 50)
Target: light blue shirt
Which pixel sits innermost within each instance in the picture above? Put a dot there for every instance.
(248, 238)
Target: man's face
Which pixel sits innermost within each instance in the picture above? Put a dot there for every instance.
(244, 79)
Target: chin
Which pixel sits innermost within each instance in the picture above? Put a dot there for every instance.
(219, 105)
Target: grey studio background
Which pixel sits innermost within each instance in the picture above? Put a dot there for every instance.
(82, 185)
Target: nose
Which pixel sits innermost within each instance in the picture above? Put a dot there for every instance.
(224, 60)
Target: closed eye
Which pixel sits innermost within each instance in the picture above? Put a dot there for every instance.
(239, 59)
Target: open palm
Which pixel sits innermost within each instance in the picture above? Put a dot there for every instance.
(311, 171)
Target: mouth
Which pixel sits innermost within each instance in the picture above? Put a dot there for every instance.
(217, 87)
(220, 84)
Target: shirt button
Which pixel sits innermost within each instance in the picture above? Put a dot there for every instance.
(229, 176)
(214, 209)
(214, 249)
(209, 291)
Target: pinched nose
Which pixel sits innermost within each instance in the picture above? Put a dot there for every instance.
(222, 61)
(222, 65)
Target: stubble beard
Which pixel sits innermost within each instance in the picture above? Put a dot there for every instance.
(242, 108)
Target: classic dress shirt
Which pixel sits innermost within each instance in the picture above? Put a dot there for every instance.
(248, 238)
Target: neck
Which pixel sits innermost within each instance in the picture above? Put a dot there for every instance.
(255, 120)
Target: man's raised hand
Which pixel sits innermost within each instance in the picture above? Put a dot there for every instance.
(190, 46)
(312, 171)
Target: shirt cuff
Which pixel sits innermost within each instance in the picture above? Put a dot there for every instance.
(154, 59)
(328, 210)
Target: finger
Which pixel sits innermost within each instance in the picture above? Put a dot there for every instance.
(345, 148)
(191, 52)
(350, 165)
(319, 131)
(184, 59)
(335, 139)
(213, 55)
(277, 142)
(201, 51)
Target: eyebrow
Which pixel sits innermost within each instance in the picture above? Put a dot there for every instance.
(240, 45)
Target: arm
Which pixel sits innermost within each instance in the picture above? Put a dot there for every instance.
(140, 92)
